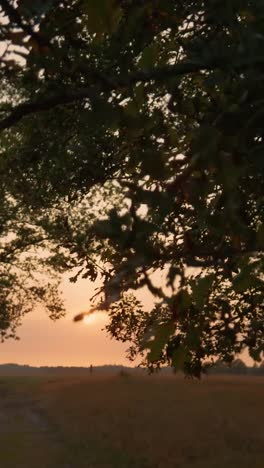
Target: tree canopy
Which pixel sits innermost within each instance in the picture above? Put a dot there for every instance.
(132, 148)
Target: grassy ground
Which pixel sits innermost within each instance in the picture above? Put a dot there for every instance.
(26, 438)
(132, 422)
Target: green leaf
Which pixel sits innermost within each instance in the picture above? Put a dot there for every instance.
(187, 107)
(162, 334)
(260, 235)
(201, 289)
(173, 135)
(243, 282)
(184, 300)
(140, 94)
(149, 56)
(153, 163)
(131, 109)
(248, 277)
(36, 8)
(103, 16)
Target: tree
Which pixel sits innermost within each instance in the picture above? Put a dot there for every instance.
(132, 136)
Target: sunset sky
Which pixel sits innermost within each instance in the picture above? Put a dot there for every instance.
(43, 342)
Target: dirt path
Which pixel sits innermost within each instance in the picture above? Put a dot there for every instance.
(27, 439)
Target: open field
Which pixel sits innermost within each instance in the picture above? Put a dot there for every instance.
(114, 421)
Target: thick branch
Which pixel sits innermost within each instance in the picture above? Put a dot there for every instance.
(43, 103)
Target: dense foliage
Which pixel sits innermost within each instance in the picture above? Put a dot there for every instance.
(132, 142)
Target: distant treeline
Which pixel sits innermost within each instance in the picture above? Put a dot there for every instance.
(238, 367)
(17, 369)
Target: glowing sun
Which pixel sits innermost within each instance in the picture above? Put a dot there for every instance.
(94, 318)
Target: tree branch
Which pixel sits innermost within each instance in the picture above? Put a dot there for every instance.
(43, 103)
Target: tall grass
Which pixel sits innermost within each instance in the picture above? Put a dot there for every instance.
(159, 422)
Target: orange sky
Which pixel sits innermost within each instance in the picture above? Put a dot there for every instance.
(44, 342)
(64, 342)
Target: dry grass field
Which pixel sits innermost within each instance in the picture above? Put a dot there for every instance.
(151, 422)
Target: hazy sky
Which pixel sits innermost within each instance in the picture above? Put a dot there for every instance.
(64, 342)
(43, 342)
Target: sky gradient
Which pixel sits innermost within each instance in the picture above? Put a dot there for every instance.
(43, 342)
(65, 343)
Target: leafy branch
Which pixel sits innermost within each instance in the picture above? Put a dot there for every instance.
(158, 74)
